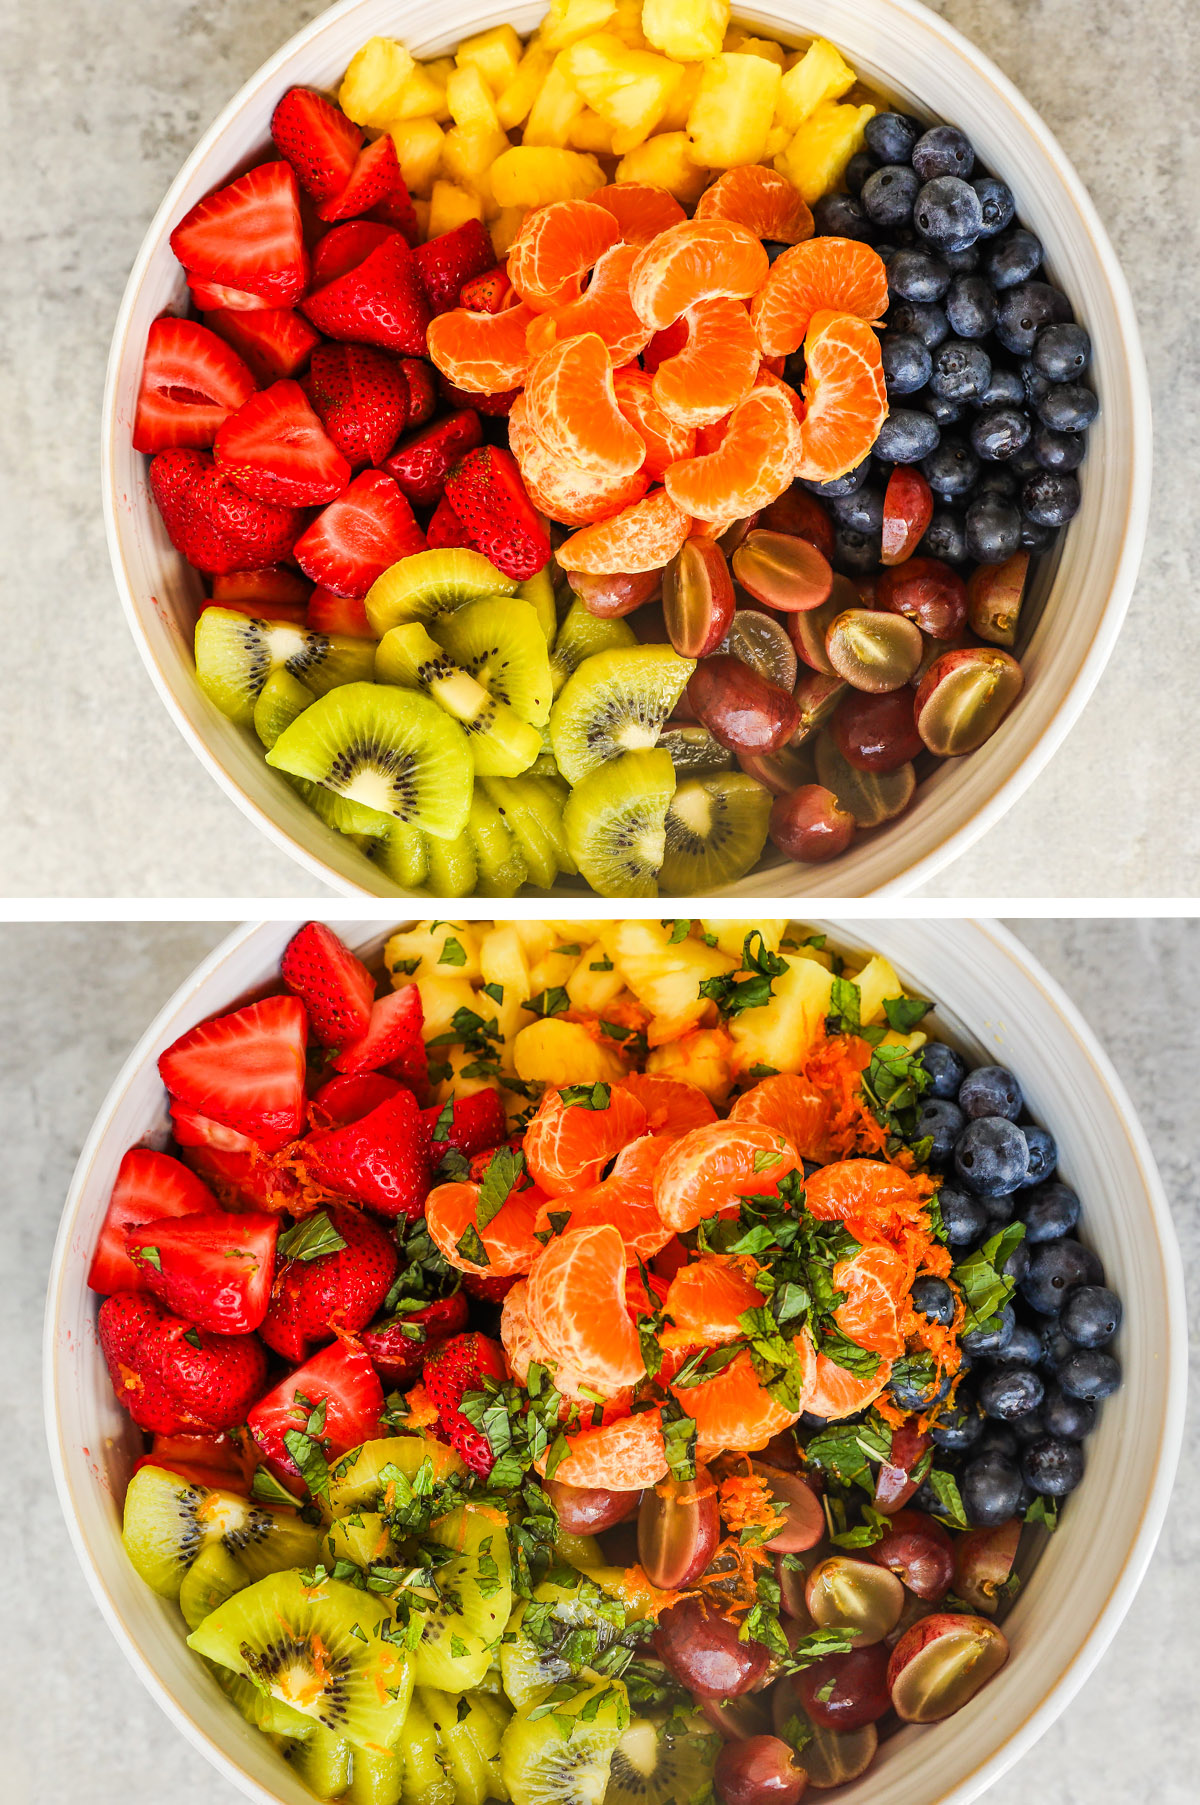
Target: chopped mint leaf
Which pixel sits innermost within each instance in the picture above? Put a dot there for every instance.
(765, 1158)
(495, 991)
(945, 1489)
(548, 1002)
(601, 965)
(615, 1031)
(759, 1070)
(445, 1121)
(471, 1247)
(1044, 1511)
(311, 1237)
(308, 1457)
(572, 950)
(150, 1256)
(845, 1007)
(679, 931)
(192, 1337)
(452, 952)
(903, 1013)
(984, 1287)
(586, 1096)
(503, 1170)
(815, 1647)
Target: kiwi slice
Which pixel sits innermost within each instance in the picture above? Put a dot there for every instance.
(351, 818)
(322, 1649)
(538, 591)
(235, 655)
(615, 702)
(501, 866)
(470, 1744)
(432, 582)
(694, 751)
(544, 764)
(281, 698)
(501, 742)
(574, 1623)
(473, 1602)
(270, 1715)
(360, 1478)
(651, 1766)
(363, 1538)
(168, 1520)
(392, 749)
(501, 642)
(403, 853)
(453, 867)
(213, 1576)
(322, 1761)
(376, 1777)
(424, 1780)
(716, 830)
(581, 635)
(532, 812)
(615, 822)
(564, 1758)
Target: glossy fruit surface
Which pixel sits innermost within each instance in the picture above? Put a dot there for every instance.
(845, 1692)
(783, 571)
(871, 797)
(994, 596)
(873, 651)
(963, 698)
(762, 641)
(876, 732)
(810, 825)
(762, 1770)
(697, 598)
(919, 1551)
(928, 593)
(803, 1522)
(588, 1512)
(983, 1564)
(610, 597)
(941, 1664)
(741, 709)
(704, 1652)
(907, 511)
(678, 1530)
(855, 1596)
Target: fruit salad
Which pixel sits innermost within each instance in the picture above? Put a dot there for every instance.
(618, 1361)
(616, 456)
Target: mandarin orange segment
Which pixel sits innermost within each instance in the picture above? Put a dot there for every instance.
(561, 488)
(751, 467)
(845, 396)
(715, 368)
(760, 199)
(643, 537)
(876, 1284)
(604, 308)
(874, 1199)
(571, 406)
(522, 1348)
(630, 1210)
(769, 379)
(554, 250)
(666, 441)
(640, 209)
(576, 1304)
(733, 1410)
(707, 1299)
(698, 260)
(625, 1456)
(567, 1146)
(709, 1169)
(789, 1103)
(831, 1391)
(484, 353)
(822, 275)
(508, 1238)
(672, 1105)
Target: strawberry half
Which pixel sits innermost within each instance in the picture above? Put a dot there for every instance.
(470, 1124)
(451, 1370)
(215, 526)
(274, 342)
(172, 1377)
(451, 259)
(318, 140)
(209, 1460)
(275, 449)
(361, 397)
(245, 1070)
(375, 174)
(421, 378)
(487, 1288)
(335, 987)
(491, 292)
(150, 1186)
(381, 301)
(483, 404)
(398, 1345)
(445, 529)
(396, 209)
(263, 589)
(191, 382)
(242, 1180)
(209, 296)
(317, 1295)
(345, 247)
(360, 535)
(342, 1379)
(421, 464)
(487, 494)
(214, 1268)
(330, 613)
(382, 1160)
(392, 1037)
(345, 1100)
(249, 235)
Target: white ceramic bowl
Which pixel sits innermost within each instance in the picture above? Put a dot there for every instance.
(1079, 598)
(995, 1001)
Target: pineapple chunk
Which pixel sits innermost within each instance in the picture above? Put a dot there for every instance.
(912, 1043)
(372, 84)
(626, 24)
(537, 937)
(514, 102)
(569, 20)
(441, 997)
(665, 161)
(781, 1033)
(591, 991)
(875, 981)
(557, 107)
(746, 46)
(688, 29)
(815, 160)
(777, 142)
(419, 152)
(702, 1057)
(423, 95)
(680, 104)
(665, 979)
(420, 208)
(454, 1084)
(444, 948)
(822, 73)
(496, 54)
(730, 936)
(589, 132)
(450, 206)
(552, 971)
(470, 99)
(468, 152)
(630, 89)
(733, 111)
(502, 963)
(558, 1052)
(531, 175)
(505, 229)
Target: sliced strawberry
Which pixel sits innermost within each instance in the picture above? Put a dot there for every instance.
(245, 1070)
(319, 1294)
(210, 296)
(451, 1369)
(191, 382)
(487, 494)
(451, 259)
(348, 1099)
(421, 378)
(375, 174)
(266, 589)
(274, 341)
(214, 1461)
(396, 209)
(242, 1180)
(318, 141)
(398, 1345)
(392, 1035)
(214, 1268)
(381, 301)
(470, 1124)
(215, 526)
(275, 449)
(149, 1187)
(487, 1288)
(360, 535)
(213, 1479)
(361, 397)
(336, 988)
(445, 529)
(453, 396)
(491, 292)
(192, 1128)
(346, 247)
(421, 464)
(172, 1377)
(289, 612)
(342, 1379)
(382, 1160)
(249, 235)
(344, 614)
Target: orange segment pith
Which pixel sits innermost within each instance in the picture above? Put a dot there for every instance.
(707, 1299)
(576, 1304)
(844, 393)
(522, 1348)
(484, 353)
(507, 1238)
(643, 537)
(874, 1199)
(751, 467)
(709, 1169)
(831, 1391)
(715, 368)
(761, 199)
(672, 1105)
(640, 209)
(555, 248)
(699, 260)
(789, 1103)
(875, 1282)
(665, 440)
(567, 1146)
(604, 308)
(561, 488)
(571, 406)
(734, 1410)
(821, 275)
(625, 1456)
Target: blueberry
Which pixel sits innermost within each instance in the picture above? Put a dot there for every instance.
(862, 512)
(957, 1429)
(888, 195)
(997, 479)
(1017, 1263)
(1043, 1152)
(906, 362)
(971, 306)
(774, 250)
(997, 203)
(1009, 1391)
(1055, 1346)
(1011, 258)
(907, 1394)
(841, 215)
(1049, 1213)
(991, 1491)
(942, 1122)
(1068, 407)
(951, 469)
(944, 1068)
(961, 370)
(1058, 450)
(1024, 465)
(942, 409)
(945, 537)
(923, 318)
(907, 436)
(1062, 352)
(1056, 1267)
(1000, 432)
(1091, 1315)
(1035, 385)
(1051, 498)
(991, 1156)
(843, 485)
(917, 276)
(860, 166)
(1089, 1374)
(999, 1209)
(933, 1299)
(946, 212)
(942, 151)
(855, 554)
(963, 1216)
(892, 136)
(993, 529)
(1035, 537)
(993, 1336)
(1052, 1467)
(1027, 1425)
(1025, 1348)
(1070, 1417)
(991, 1090)
(1024, 310)
(997, 1438)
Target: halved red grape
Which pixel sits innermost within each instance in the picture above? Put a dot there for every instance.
(810, 825)
(741, 709)
(941, 1664)
(583, 1511)
(918, 1550)
(610, 597)
(816, 696)
(760, 1771)
(894, 1483)
(963, 698)
(796, 511)
(737, 1718)
(804, 1524)
(926, 592)
(854, 1596)
(983, 1562)
(697, 598)
(678, 1530)
(763, 643)
(783, 1450)
(781, 772)
(792, 1579)
(704, 1652)
(808, 630)
(783, 571)
(994, 595)
(844, 1692)
(907, 511)
(829, 1757)
(876, 732)
(733, 535)
(871, 797)
(873, 650)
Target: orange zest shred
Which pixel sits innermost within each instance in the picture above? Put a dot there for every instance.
(745, 1502)
(421, 1409)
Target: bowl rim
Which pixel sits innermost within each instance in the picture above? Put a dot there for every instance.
(1107, 1618)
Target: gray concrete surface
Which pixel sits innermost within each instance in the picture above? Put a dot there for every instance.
(99, 105)
(80, 1728)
